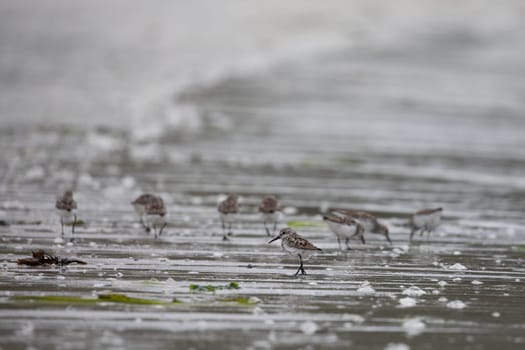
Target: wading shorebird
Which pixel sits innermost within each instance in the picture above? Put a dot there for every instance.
(367, 220)
(228, 210)
(139, 204)
(66, 208)
(344, 227)
(295, 245)
(270, 211)
(155, 215)
(425, 220)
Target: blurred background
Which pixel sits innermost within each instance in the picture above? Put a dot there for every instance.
(386, 106)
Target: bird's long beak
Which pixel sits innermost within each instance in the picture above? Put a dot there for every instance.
(273, 239)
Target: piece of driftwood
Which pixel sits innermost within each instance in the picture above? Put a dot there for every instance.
(41, 258)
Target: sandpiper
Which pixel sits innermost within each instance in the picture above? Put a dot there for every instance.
(139, 204)
(345, 227)
(66, 208)
(367, 220)
(155, 215)
(425, 220)
(270, 211)
(228, 210)
(295, 244)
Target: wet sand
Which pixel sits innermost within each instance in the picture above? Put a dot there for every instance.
(389, 128)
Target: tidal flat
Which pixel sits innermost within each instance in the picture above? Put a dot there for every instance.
(390, 127)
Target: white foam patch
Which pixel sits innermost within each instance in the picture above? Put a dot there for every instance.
(183, 118)
(26, 331)
(35, 173)
(457, 266)
(13, 205)
(309, 327)
(290, 210)
(407, 302)
(366, 289)
(414, 326)
(414, 291)
(397, 346)
(456, 304)
(353, 318)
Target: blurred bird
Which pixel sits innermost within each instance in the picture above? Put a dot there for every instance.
(344, 227)
(425, 220)
(367, 220)
(228, 210)
(155, 215)
(270, 211)
(139, 204)
(66, 208)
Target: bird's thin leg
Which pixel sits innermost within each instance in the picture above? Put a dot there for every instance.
(363, 239)
(230, 232)
(339, 242)
(346, 243)
(388, 239)
(224, 237)
(144, 224)
(62, 225)
(155, 230)
(300, 267)
(267, 230)
(412, 233)
(73, 228)
(356, 233)
(162, 228)
(74, 223)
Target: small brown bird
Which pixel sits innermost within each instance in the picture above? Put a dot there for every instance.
(270, 211)
(425, 220)
(228, 210)
(367, 220)
(345, 227)
(155, 212)
(139, 204)
(295, 245)
(66, 208)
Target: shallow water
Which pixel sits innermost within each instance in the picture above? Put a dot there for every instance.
(433, 121)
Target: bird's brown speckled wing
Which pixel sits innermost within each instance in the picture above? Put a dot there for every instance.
(301, 243)
(428, 211)
(65, 203)
(144, 199)
(228, 206)
(156, 207)
(343, 220)
(334, 218)
(356, 214)
(269, 205)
